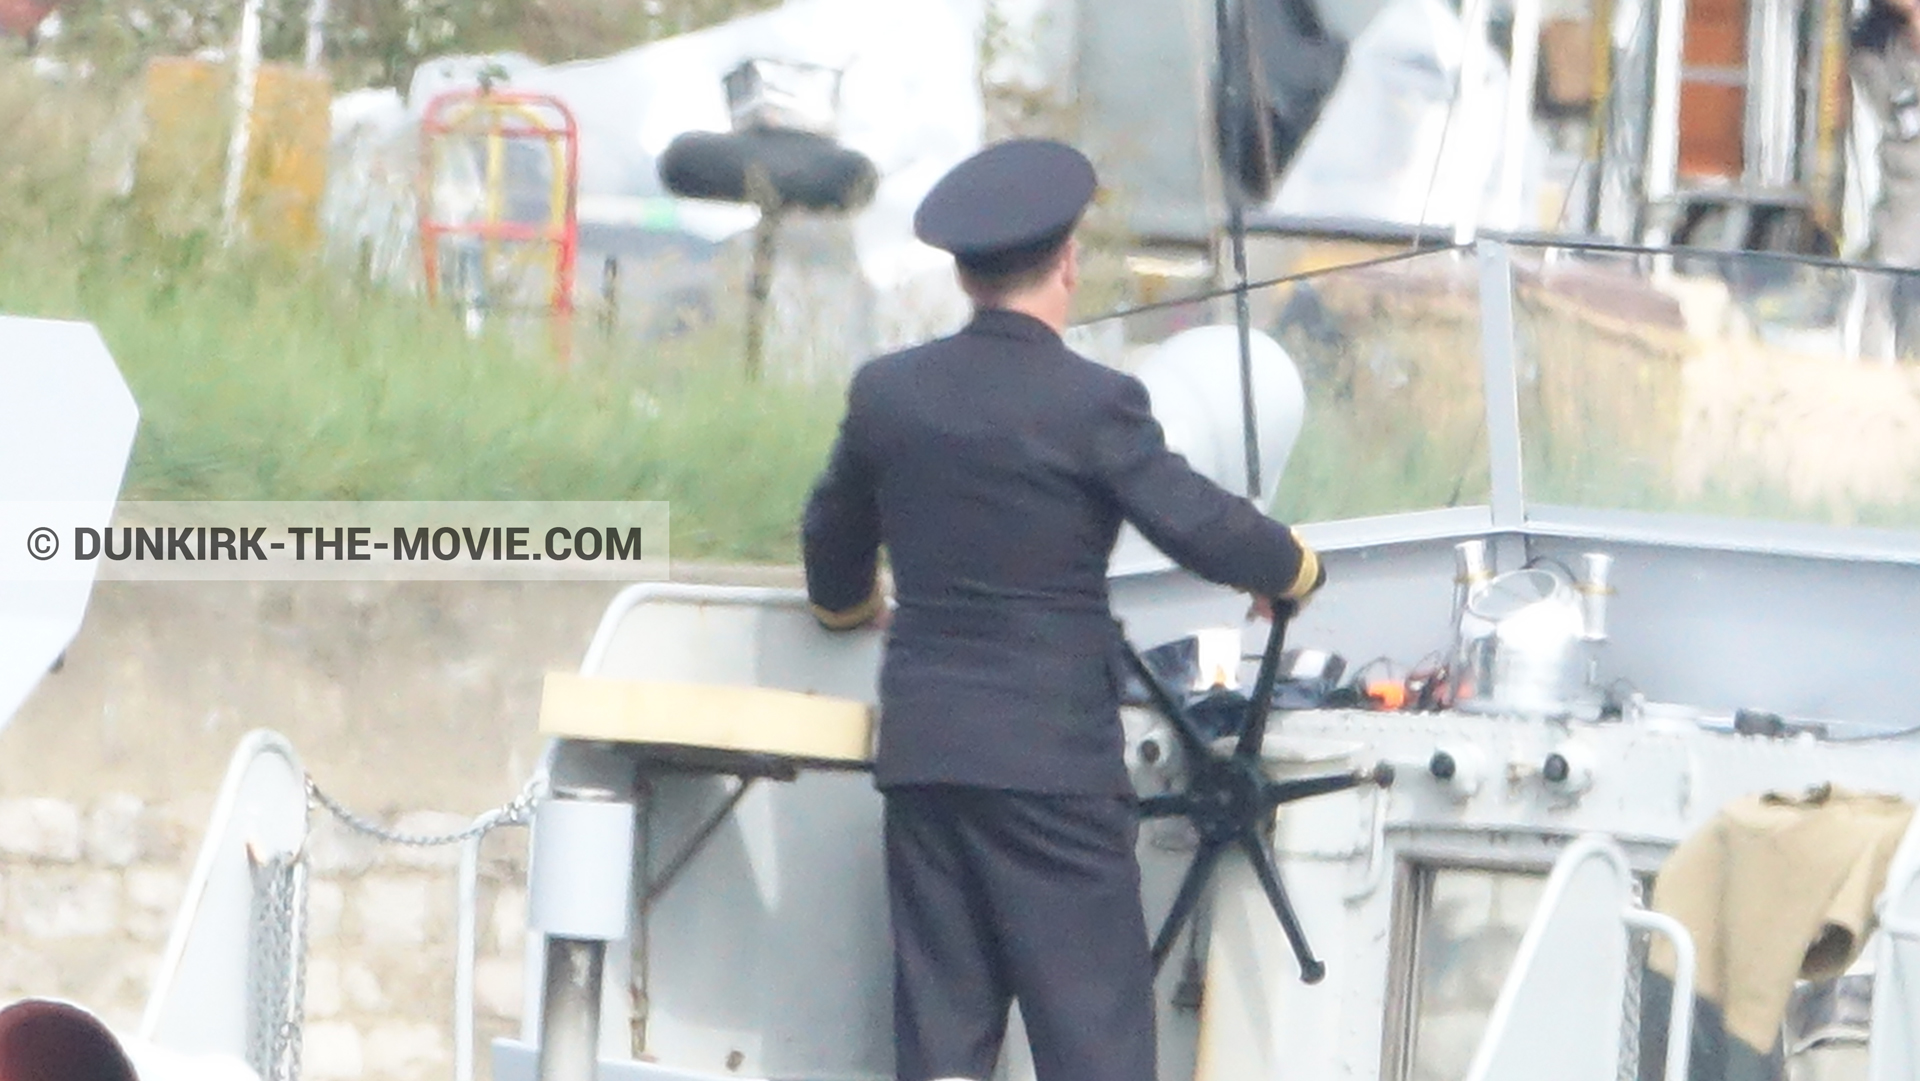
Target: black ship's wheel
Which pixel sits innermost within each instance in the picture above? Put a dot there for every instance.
(1230, 800)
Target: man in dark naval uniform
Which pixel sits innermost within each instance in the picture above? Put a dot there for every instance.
(996, 467)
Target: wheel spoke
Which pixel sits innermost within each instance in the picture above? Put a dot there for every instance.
(1170, 708)
(1311, 970)
(1183, 902)
(1254, 732)
(1167, 805)
(1275, 793)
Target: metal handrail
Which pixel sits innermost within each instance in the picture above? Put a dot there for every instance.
(253, 745)
(466, 936)
(1680, 1018)
(1680, 1012)
(466, 947)
(635, 595)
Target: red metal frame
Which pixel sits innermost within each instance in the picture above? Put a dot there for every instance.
(486, 114)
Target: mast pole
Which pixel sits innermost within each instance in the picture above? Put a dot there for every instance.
(1233, 101)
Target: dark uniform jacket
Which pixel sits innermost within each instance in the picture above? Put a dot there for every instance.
(996, 466)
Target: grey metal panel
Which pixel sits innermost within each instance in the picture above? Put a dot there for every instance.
(1819, 636)
(1649, 785)
(1156, 608)
(1805, 620)
(1802, 636)
(1392, 601)
(738, 958)
(1141, 71)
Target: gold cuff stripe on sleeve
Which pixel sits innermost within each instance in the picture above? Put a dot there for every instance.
(1309, 570)
(852, 617)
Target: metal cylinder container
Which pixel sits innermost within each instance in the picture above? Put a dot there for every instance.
(581, 870)
(1470, 573)
(1594, 587)
(580, 898)
(1521, 649)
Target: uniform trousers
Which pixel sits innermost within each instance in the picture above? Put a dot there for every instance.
(1001, 896)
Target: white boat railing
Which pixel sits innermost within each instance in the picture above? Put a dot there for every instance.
(202, 998)
(1561, 1009)
(467, 908)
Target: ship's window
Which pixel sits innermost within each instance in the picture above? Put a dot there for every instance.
(1457, 930)
(1466, 928)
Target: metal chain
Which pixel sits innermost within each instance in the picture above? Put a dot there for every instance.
(277, 946)
(276, 967)
(515, 812)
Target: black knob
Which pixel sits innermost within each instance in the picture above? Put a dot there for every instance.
(1383, 775)
(1442, 766)
(1557, 768)
(1150, 751)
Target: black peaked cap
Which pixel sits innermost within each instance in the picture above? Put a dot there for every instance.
(1008, 206)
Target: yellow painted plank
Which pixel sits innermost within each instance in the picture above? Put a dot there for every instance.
(748, 720)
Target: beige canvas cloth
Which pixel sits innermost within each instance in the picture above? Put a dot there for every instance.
(1777, 887)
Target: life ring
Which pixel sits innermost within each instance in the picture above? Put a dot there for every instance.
(802, 170)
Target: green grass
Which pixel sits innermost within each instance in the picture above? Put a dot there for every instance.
(261, 380)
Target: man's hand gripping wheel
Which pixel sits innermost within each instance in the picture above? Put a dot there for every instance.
(1230, 800)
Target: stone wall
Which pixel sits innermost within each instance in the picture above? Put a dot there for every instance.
(413, 703)
(92, 889)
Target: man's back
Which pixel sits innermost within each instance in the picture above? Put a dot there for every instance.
(997, 466)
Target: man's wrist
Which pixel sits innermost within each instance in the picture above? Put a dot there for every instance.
(849, 618)
(1308, 578)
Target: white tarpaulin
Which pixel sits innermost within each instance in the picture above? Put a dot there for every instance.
(910, 102)
(1391, 145)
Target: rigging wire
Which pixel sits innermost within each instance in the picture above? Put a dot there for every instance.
(1446, 135)
(1616, 139)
